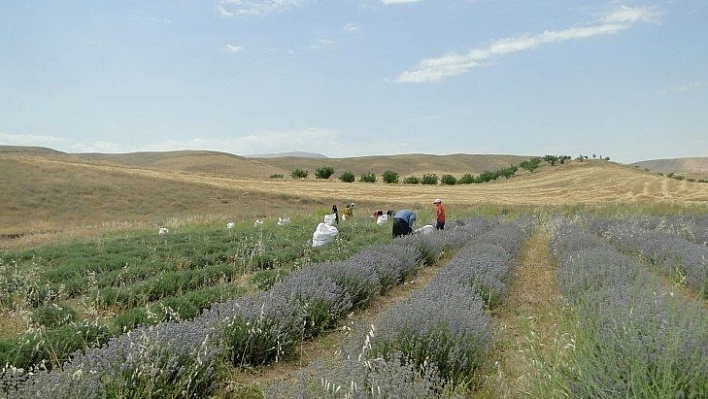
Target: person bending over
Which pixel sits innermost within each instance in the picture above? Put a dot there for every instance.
(403, 223)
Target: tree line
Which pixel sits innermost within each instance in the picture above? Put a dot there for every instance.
(391, 177)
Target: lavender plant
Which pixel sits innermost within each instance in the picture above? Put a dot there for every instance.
(633, 338)
(660, 246)
(319, 298)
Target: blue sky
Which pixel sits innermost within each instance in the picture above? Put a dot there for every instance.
(626, 80)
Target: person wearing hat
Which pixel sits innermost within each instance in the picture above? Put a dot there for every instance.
(439, 214)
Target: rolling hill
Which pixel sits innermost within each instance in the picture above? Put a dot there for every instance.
(50, 192)
(690, 167)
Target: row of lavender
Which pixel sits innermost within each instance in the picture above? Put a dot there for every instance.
(180, 359)
(434, 340)
(675, 246)
(633, 336)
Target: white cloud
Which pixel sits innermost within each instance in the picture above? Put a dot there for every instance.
(448, 65)
(231, 8)
(98, 146)
(30, 140)
(690, 86)
(322, 44)
(350, 27)
(232, 48)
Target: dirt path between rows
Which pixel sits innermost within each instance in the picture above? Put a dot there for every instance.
(529, 339)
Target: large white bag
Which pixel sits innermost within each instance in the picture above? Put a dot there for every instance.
(325, 232)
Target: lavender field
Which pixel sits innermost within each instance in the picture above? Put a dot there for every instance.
(634, 320)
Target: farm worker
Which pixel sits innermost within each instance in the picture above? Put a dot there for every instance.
(403, 223)
(336, 213)
(348, 211)
(439, 214)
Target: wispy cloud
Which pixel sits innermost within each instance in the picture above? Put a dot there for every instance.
(232, 8)
(690, 86)
(448, 65)
(350, 27)
(322, 44)
(232, 48)
(29, 140)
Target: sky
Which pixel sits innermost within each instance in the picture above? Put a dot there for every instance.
(346, 78)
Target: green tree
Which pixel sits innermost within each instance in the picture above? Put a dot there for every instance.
(508, 171)
(347, 177)
(486, 176)
(531, 164)
(367, 178)
(411, 180)
(467, 178)
(551, 159)
(449, 180)
(299, 174)
(430, 179)
(390, 177)
(324, 172)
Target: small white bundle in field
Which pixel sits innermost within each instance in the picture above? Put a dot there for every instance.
(381, 220)
(163, 231)
(283, 221)
(230, 225)
(258, 223)
(427, 229)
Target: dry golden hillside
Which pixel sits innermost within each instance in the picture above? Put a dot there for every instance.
(49, 192)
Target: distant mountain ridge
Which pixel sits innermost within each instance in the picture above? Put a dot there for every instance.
(227, 164)
(297, 154)
(688, 165)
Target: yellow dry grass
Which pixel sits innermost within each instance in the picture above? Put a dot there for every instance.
(47, 193)
(576, 183)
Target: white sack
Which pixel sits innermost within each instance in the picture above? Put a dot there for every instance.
(381, 220)
(323, 234)
(427, 229)
(330, 219)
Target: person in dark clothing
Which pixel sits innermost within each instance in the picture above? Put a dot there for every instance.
(336, 213)
(403, 223)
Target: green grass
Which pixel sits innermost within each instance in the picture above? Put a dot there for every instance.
(123, 280)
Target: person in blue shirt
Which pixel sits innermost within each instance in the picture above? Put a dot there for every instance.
(403, 222)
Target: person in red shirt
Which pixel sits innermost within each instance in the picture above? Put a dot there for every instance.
(439, 214)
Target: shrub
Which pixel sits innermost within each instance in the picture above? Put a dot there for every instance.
(265, 279)
(448, 180)
(276, 176)
(390, 177)
(411, 180)
(299, 174)
(367, 178)
(508, 171)
(551, 159)
(347, 177)
(54, 315)
(486, 176)
(319, 298)
(430, 179)
(466, 179)
(324, 172)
